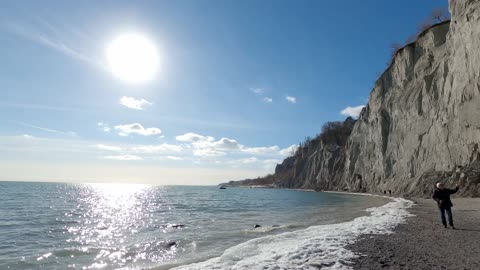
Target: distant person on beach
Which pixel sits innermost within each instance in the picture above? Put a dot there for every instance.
(442, 196)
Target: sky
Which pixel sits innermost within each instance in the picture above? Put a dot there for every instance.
(237, 84)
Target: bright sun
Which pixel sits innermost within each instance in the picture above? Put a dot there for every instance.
(132, 58)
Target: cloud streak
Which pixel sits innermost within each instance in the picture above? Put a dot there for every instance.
(124, 157)
(43, 39)
(68, 133)
(109, 147)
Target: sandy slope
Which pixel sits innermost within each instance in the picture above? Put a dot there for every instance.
(423, 243)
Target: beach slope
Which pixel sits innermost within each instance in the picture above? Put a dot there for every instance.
(423, 242)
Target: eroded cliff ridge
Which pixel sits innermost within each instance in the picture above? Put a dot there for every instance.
(421, 124)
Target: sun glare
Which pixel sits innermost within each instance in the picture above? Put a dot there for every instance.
(133, 58)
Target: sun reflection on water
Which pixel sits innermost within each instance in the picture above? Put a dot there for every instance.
(106, 217)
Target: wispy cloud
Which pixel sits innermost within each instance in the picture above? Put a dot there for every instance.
(260, 150)
(41, 38)
(249, 160)
(352, 111)
(104, 126)
(133, 103)
(124, 157)
(291, 99)
(163, 148)
(68, 133)
(174, 158)
(136, 128)
(257, 91)
(261, 92)
(42, 107)
(27, 136)
(108, 147)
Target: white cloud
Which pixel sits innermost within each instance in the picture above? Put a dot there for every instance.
(208, 152)
(291, 99)
(193, 137)
(225, 144)
(257, 91)
(27, 136)
(249, 160)
(260, 150)
(108, 147)
(132, 103)
(105, 127)
(352, 111)
(289, 150)
(163, 148)
(207, 146)
(174, 158)
(268, 99)
(136, 128)
(124, 157)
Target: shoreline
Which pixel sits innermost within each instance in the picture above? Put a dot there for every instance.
(422, 242)
(322, 246)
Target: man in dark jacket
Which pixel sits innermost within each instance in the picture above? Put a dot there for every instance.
(442, 196)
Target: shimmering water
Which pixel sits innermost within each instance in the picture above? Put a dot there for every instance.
(122, 226)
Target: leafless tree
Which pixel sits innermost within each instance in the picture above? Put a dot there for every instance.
(424, 26)
(411, 39)
(439, 15)
(394, 48)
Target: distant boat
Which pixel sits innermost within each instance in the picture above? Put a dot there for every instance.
(223, 187)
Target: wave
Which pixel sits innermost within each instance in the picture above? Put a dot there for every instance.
(322, 246)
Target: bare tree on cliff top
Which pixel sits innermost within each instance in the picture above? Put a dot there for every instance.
(439, 15)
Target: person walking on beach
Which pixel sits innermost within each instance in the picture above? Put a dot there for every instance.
(442, 196)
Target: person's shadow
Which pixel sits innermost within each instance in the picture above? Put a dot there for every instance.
(470, 230)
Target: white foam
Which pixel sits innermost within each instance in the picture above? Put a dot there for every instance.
(323, 245)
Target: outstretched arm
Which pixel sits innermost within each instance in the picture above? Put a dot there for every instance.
(452, 191)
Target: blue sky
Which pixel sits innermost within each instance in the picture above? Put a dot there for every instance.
(239, 83)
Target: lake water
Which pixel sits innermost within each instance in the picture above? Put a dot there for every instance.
(123, 226)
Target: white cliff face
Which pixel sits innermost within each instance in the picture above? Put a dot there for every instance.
(422, 123)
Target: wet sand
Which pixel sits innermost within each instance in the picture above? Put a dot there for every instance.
(423, 242)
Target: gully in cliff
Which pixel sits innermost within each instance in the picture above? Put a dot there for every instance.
(442, 196)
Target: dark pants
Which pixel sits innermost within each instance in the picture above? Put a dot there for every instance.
(449, 214)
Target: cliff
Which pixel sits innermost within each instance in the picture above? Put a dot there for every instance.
(421, 124)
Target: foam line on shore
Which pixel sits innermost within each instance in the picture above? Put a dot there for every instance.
(321, 246)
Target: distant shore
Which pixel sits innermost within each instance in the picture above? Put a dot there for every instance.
(423, 242)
